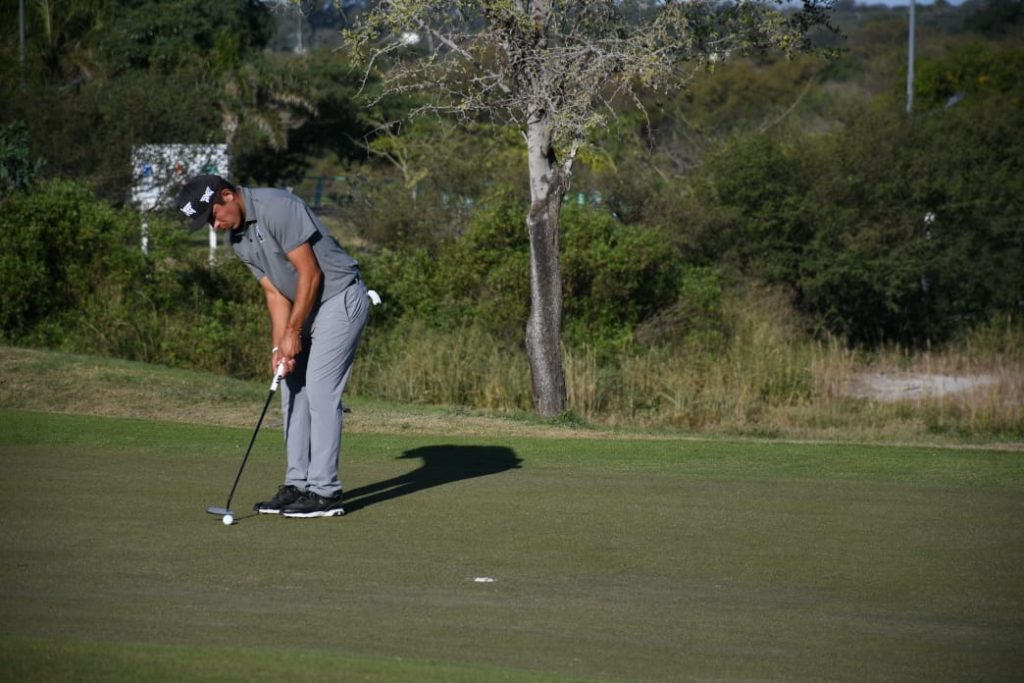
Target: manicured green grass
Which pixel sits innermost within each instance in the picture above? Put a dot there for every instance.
(611, 560)
(49, 660)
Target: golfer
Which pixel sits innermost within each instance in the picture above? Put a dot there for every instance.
(318, 307)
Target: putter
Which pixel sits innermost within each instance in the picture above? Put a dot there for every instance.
(226, 510)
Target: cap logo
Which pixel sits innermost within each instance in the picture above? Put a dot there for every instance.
(206, 195)
(188, 210)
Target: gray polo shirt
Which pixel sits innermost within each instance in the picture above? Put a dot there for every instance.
(276, 222)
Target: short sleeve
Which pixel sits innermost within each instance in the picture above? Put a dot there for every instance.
(297, 226)
(256, 270)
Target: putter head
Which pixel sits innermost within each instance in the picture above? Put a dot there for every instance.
(220, 512)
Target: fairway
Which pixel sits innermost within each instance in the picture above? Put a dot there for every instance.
(631, 560)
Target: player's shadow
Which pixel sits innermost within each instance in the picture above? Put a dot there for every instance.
(440, 465)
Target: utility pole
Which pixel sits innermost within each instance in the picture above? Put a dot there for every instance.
(910, 62)
(21, 36)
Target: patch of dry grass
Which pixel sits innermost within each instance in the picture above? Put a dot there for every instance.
(767, 384)
(49, 381)
(767, 379)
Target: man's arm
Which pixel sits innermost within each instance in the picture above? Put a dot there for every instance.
(287, 316)
(280, 309)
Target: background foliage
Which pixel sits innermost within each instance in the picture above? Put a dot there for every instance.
(75, 279)
(801, 184)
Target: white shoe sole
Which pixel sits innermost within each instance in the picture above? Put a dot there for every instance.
(336, 512)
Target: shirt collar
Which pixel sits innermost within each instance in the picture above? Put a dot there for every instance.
(250, 210)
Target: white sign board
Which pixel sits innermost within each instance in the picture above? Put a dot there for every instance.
(159, 171)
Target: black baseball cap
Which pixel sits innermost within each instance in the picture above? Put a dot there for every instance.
(197, 197)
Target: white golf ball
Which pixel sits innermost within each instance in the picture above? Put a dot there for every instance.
(228, 520)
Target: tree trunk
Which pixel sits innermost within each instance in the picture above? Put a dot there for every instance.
(544, 326)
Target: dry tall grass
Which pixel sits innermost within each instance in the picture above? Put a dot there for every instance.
(767, 378)
(463, 367)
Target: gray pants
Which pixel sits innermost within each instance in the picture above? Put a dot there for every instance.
(311, 394)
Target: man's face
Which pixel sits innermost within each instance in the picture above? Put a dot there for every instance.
(229, 213)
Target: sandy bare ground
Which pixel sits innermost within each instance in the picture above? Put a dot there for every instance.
(889, 387)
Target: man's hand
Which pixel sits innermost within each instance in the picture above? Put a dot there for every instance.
(288, 347)
(279, 358)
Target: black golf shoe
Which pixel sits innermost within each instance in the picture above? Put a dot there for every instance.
(285, 496)
(314, 505)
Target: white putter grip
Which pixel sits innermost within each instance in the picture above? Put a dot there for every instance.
(277, 376)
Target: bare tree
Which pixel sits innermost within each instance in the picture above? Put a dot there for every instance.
(558, 69)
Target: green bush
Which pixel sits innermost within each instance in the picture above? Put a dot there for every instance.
(695, 322)
(74, 277)
(59, 248)
(482, 275)
(892, 229)
(917, 224)
(753, 193)
(18, 169)
(972, 71)
(614, 276)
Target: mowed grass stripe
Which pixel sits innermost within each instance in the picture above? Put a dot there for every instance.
(27, 659)
(622, 560)
(717, 458)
